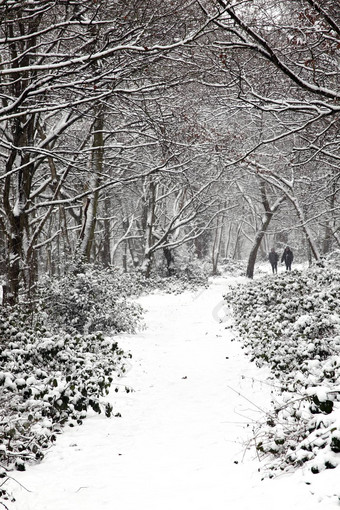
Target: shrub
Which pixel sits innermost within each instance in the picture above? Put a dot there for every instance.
(90, 299)
(56, 363)
(290, 322)
(46, 381)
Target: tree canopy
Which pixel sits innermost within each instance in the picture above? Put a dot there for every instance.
(134, 130)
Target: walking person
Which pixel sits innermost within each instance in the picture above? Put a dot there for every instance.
(273, 259)
(287, 258)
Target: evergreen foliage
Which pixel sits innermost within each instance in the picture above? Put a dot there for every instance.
(56, 363)
(291, 323)
(46, 381)
(89, 299)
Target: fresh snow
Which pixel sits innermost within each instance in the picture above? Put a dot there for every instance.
(183, 439)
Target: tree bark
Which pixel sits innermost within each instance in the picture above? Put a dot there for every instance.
(217, 246)
(266, 219)
(149, 227)
(257, 242)
(91, 204)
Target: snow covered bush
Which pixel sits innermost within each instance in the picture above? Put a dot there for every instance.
(291, 322)
(192, 271)
(90, 299)
(46, 381)
(175, 284)
(229, 266)
(188, 276)
(55, 363)
(187, 273)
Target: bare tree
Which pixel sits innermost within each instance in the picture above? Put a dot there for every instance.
(59, 61)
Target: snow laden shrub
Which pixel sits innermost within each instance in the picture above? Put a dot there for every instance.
(291, 323)
(88, 299)
(176, 284)
(187, 273)
(47, 381)
(188, 276)
(232, 267)
(192, 273)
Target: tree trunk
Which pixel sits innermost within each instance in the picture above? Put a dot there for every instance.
(306, 229)
(91, 204)
(125, 267)
(149, 226)
(169, 260)
(268, 215)
(106, 250)
(331, 221)
(217, 246)
(17, 216)
(237, 243)
(257, 243)
(227, 241)
(13, 270)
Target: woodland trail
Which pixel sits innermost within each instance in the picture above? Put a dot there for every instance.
(181, 441)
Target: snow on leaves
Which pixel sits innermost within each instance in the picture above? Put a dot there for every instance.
(47, 381)
(90, 299)
(291, 322)
(56, 364)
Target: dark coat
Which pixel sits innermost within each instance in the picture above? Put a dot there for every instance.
(273, 258)
(287, 256)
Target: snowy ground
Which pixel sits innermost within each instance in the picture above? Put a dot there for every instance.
(181, 443)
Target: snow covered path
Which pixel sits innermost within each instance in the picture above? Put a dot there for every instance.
(180, 443)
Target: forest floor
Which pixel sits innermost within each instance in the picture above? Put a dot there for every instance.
(183, 441)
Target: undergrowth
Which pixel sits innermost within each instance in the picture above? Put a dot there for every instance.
(59, 357)
(291, 323)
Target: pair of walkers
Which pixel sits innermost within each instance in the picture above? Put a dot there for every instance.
(287, 258)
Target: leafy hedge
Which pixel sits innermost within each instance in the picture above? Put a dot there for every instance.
(188, 275)
(291, 322)
(90, 299)
(56, 363)
(46, 381)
